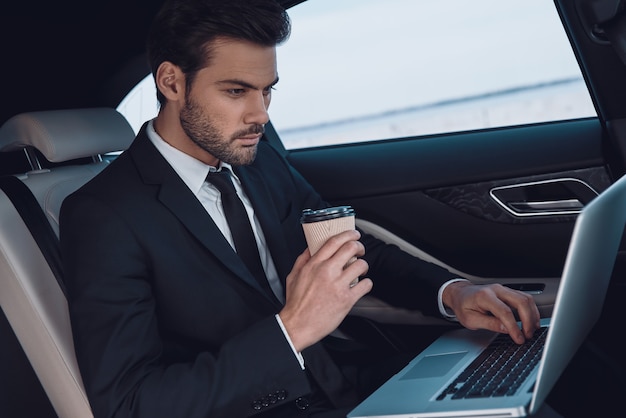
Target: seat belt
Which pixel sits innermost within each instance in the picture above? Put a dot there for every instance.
(35, 219)
(605, 22)
(615, 31)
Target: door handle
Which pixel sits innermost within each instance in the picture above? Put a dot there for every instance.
(564, 196)
(563, 205)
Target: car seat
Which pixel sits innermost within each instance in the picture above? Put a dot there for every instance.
(65, 149)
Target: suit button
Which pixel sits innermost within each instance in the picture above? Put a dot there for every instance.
(281, 395)
(302, 403)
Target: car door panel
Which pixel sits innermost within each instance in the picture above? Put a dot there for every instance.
(433, 196)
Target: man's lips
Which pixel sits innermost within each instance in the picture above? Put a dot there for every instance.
(250, 139)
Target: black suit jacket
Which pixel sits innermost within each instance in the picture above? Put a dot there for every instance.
(167, 320)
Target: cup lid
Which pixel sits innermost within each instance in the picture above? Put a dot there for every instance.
(310, 215)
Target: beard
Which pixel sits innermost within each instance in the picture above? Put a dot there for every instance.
(204, 133)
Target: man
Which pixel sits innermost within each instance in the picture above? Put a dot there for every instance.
(168, 321)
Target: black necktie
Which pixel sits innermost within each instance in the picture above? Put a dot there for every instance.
(239, 224)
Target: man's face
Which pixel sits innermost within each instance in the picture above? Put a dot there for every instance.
(226, 108)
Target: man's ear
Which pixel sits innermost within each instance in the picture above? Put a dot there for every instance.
(170, 81)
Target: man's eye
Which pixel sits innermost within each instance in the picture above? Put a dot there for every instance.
(236, 92)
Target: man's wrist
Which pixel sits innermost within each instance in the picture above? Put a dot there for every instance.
(446, 312)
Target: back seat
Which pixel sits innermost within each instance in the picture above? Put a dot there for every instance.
(72, 143)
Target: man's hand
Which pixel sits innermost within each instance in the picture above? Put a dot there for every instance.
(493, 307)
(319, 294)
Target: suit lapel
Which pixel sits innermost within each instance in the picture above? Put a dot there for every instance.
(176, 196)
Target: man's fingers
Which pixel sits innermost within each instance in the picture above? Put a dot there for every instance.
(362, 287)
(504, 321)
(337, 242)
(357, 268)
(495, 324)
(526, 308)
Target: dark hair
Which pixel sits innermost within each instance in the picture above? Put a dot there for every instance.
(184, 30)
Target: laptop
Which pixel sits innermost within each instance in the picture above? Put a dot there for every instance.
(433, 383)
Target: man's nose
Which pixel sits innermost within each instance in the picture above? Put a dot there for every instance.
(257, 110)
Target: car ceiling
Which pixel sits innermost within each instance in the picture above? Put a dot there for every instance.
(68, 54)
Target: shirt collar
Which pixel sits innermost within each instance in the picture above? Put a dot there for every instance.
(191, 170)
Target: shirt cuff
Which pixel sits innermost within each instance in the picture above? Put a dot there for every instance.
(446, 312)
(298, 355)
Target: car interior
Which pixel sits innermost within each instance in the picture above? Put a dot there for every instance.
(33, 295)
(493, 205)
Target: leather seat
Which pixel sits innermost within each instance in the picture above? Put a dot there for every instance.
(72, 143)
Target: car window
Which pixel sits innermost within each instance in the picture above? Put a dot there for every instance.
(140, 104)
(360, 70)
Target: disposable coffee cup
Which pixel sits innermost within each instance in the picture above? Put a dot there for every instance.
(321, 224)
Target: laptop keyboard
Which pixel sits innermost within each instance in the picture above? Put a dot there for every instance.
(499, 370)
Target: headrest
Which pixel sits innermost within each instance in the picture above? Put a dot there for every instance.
(63, 135)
